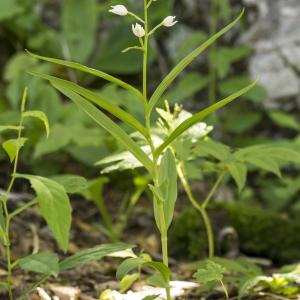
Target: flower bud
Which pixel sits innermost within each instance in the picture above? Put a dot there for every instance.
(138, 30)
(169, 21)
(120, 10)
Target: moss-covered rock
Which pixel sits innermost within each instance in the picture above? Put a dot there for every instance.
(260, 233)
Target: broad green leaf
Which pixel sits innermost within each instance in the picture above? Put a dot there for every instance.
(97, 99)
(91, 71)
(238, 171)
(11, 147)
(127, 281)
(283, 154)
(185, 62)
(54, 206)
(190, 43)
(284, 120)
(10, 127)
(105, 122)
(92, 254)
(72, 183)
(213, 148)
(276, 152)
(60, 136)
(79, 26)
(257, 94)
(186, 87)
(224, 57)
(45, 263)
(199, 117)
(212, 272)
(242, 121)
(264, 162)
(39, 115)
(167, 190)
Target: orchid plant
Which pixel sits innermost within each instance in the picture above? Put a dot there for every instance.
(157, 158)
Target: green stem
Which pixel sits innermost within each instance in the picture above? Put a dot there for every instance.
(136, 17)
(201, 207)
(164, 237)
(214, 188)
(224, 289)
(22, 208)
(8, 191)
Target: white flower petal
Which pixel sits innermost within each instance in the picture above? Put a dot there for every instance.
(120, 10)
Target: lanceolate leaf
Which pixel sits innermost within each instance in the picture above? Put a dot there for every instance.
(39, 115)
(105, 122)
(92, 254)
(97, 99)
(88, 70)
(54, 205)
(200, 116)
(185, 62)
(45, 263)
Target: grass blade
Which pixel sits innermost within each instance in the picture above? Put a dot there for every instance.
(185, 62)
(100, 101)
(200, 116)
(88, 70)
(105, 122)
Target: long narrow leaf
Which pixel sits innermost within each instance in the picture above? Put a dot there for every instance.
(185, 62)
(200, 116)
(105, 122)
(97, 99)
(88, 70)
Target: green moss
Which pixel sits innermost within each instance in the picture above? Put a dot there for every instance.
(260, 233)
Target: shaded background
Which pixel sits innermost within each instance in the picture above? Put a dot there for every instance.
(264, 46)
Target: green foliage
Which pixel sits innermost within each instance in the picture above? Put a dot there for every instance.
(54, 206)
(252, 225)
(88, 255)
(79, 32)
(11, 147)
(135, 262)
(166, 192)
(211, 272)
(45, 263)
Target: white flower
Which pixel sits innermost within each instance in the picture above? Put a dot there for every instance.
(120, 10)
(138, 30)
(197, 131)
(169, 21)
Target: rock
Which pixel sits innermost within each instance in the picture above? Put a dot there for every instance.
(275, 37)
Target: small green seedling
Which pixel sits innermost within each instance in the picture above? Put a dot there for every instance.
(212, 272)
